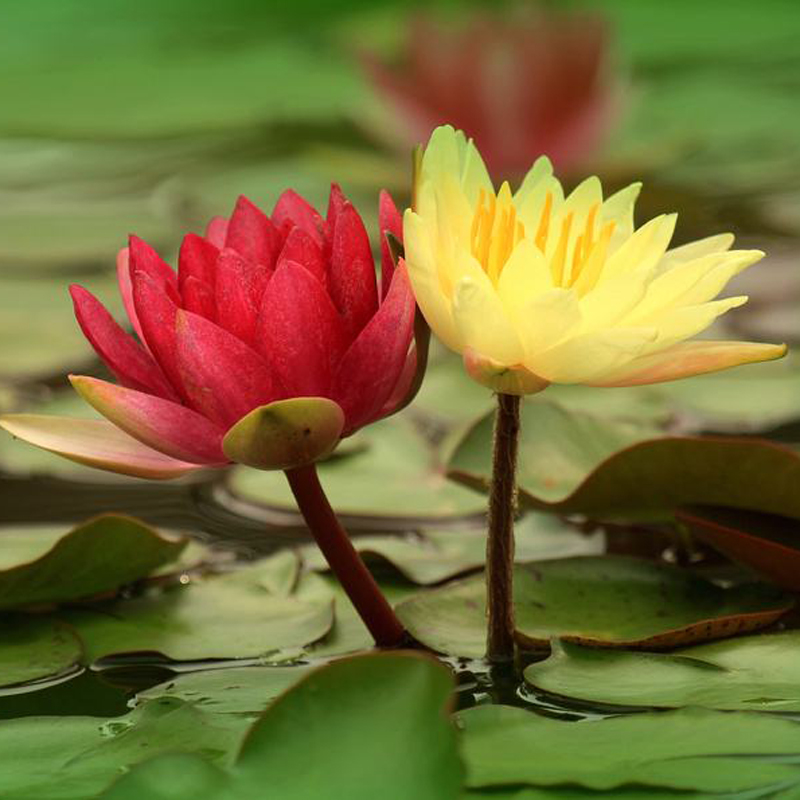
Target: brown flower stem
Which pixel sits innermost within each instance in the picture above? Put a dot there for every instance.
(332, 539)
(500, 541)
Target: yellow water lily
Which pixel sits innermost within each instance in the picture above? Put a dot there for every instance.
(534, 287)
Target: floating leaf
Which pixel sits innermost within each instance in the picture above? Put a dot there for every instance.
(434, 556)
(394, 475)
(232, 690)
(75, 757)
(610, 601)
(32, 649)
(764, 542)
(44, 566)
(752, 673)
(235, 616)
(575, 463)
(690, 749)
(375, 725)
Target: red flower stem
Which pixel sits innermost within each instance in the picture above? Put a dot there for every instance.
(355, 578)
(500, 541)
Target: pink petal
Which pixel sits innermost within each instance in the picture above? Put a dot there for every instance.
(352, 279)
(690, 358)
(197, 259)
(291, 210)
(144, 259)
(252, 234)
(238, 285)
(156, 313)
(127, 359)
(95, 443)
(372, 366)
(170, 428)
(223, 377)
(198, 297)
(126, 290)
(389, 220)
(217, 231)
(301, 248)
(300, 331)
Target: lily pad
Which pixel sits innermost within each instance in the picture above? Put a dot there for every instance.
(45, 566)
(752, 673)
(231, 690)
(690, 749)
(576, 463)
(239, 615)
(74, 757)
(393, 744)
(434, 556)
(610, 601)
(766, 543)
(32, 649)
(395, 475)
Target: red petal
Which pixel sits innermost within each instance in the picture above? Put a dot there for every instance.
(389, 220)
(217, 231)
(300, 331)
(126, 358)
(126, 290)
(372, 367)
(336, 202)
(144, 259)
(170, 428)
(196, 259)
(156, 312)
(292, 210)
(301, 248)
(252, 234)
(224, 378)
(352, 277)
(198, 297)
(234, 291)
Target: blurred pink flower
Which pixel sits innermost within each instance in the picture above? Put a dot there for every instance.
(521, 85)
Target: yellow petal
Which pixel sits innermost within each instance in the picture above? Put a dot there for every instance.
(547, 319)
(423, 274)
(681, 323)
(619, 209)
(611, 300)
(524, 276)
(482, 321)
(644, 249)
(702, 247)
(690, 358)
(588, 357)
(537, 176)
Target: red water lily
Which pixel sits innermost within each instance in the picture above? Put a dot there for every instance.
(262, 309)
(521, 85)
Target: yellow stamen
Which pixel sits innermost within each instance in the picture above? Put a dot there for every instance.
(544, 222)
(560, 255)
(594, 262)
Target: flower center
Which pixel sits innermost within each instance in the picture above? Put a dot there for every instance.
(495, 230)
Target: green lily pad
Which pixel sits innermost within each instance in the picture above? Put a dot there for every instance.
(434, 556)
(249, 613)
(232, 690)
(75, 757)
(691, 749)
(575, 463)
(766, 543)
(610, 601)
(32, 649)
(39, 335)
(367, 742)
(752, 673)
(45, 566)
(396, 475)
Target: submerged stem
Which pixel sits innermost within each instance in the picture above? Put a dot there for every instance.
(500, 541)
(335, 544)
